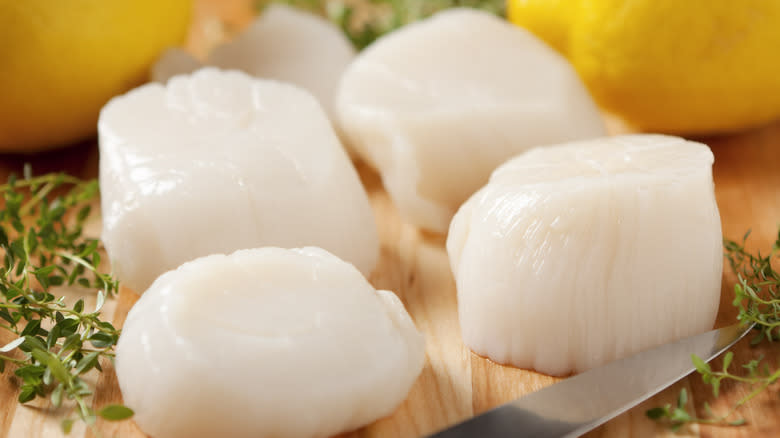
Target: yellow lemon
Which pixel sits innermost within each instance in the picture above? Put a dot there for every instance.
(677, 66)
(60, 61)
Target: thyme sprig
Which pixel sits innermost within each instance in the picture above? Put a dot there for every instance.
(363, 21)
(758, 377)
(42, 245)
(757, 292)
(677, 416)
(757, 299)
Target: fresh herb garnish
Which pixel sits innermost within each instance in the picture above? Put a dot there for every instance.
(757, 298)
(365, 21)
(678, 416)
(42, 245)
(756, 292)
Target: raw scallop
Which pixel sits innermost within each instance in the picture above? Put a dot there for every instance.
(174, 62)
(283, 43)
(265, 343)
(437, 105)
(219, 161)
(578, 254)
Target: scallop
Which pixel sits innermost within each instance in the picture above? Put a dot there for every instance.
(265, 342)
(174, 62)
(283, 43)
(438, 105)
(219, 161)
(581, 253)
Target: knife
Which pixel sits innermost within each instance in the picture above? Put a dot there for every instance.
(582, 402)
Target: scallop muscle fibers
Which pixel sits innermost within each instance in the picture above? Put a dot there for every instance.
(219, 161)
(265, 342)
(578, 254)
(438, 105)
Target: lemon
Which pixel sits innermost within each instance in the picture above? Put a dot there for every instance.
(677, 66)
(60, 61)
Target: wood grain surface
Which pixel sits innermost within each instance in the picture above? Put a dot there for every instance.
(455, 383)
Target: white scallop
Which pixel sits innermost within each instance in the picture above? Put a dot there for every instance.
(578, 254)
(283, 43)
(437, 105)
(290, 45)
(173, 62)
(219, 161)
(265, 342)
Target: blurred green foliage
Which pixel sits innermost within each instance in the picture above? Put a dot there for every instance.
(363, 21)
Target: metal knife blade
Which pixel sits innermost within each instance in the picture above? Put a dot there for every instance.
(582, 402)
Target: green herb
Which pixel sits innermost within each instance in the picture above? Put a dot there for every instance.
(365, 21)
(678, 416)
(116, 412)
(42, 245)
(756, 297)
(756, 292)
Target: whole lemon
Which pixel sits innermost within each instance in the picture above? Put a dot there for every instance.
(60, 61)
(677, 66)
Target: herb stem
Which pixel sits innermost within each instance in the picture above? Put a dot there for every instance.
(11, 306)
(37, 198)
(12, 360)
(56, 178)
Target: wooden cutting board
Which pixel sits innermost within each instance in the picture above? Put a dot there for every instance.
(455, 383)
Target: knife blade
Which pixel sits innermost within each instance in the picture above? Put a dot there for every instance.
(582, 402)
